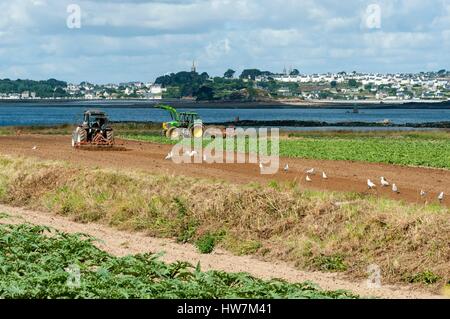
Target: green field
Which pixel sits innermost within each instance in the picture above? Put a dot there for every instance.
(39, 262)
(428, 149)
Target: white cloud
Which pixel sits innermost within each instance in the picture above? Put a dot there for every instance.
(124, 40)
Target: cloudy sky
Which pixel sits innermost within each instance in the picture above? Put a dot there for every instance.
(122, 40)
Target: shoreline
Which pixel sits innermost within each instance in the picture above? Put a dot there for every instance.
(348, 124)
(292, 104)
(282, 124)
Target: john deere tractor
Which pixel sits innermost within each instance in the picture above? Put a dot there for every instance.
(95, 130)
(187, 124)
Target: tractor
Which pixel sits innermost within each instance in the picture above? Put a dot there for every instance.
(95, 130)
(187, 124)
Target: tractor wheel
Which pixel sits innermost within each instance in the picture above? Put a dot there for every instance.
(78, 136)
(82, 135)
(110, 137)
(173, 133)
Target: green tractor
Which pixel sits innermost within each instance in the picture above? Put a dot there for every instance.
(187, 124)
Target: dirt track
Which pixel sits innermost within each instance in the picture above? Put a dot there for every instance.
(342, 175)
(122, 243)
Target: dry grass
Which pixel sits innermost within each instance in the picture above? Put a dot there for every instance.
(410, 243)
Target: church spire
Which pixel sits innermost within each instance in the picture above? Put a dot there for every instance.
(193, 68)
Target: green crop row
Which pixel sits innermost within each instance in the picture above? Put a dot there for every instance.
(39, 262)
(428, 153)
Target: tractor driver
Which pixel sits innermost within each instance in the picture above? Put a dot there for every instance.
(99, 122)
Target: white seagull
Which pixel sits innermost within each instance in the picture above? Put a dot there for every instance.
(286, 168)
(441, 196)
(34, 147)
(193, 153)
(384, 182)
(395, 189)
(371, 184)
(310, 171)
(324, 176)
(423, 193)
(308, 179)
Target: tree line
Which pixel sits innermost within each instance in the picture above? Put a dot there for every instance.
(44, 88)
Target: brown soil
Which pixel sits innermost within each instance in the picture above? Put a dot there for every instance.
(342, 175)
(122, 243)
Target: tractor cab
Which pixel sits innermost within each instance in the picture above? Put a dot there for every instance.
(95, 119)
(187, 118)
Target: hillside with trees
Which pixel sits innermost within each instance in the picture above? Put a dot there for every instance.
(46, 88)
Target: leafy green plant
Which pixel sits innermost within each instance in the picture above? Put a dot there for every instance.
(206, 243)
(425, 277)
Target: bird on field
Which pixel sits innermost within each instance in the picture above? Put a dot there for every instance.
(34, 147)
(423, 193)
(193, 153)
(441, 196)
(169, 156)
(384, 182)
(395, 189)
(310, 171)
(371, 184)
(286, 168)
(204, 157)
(324, 176)
(308, 179)
(261, 165)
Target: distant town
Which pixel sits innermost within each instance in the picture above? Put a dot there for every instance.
(251, 85)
